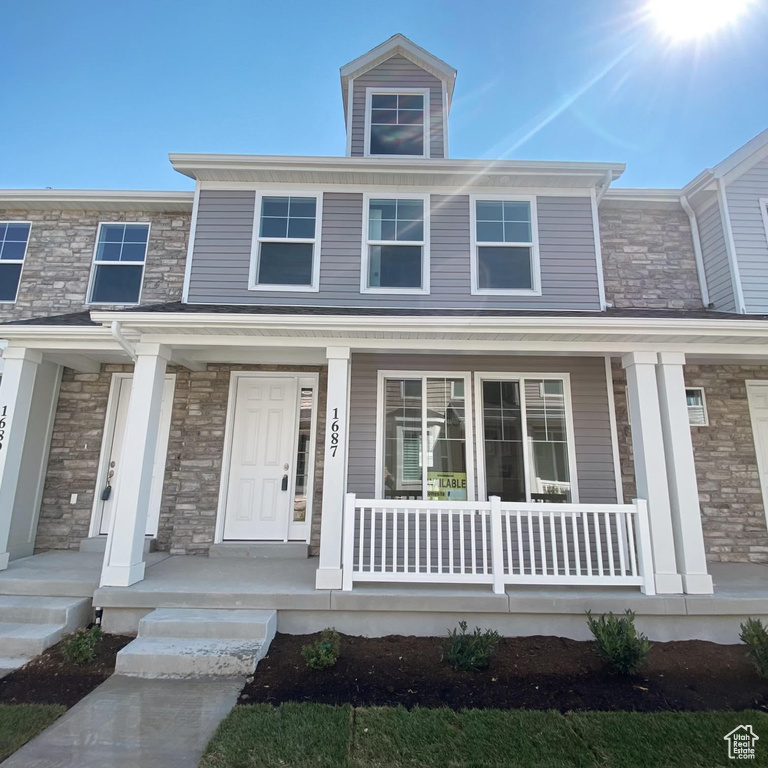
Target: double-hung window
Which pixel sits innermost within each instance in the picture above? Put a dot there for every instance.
(286, 247)
(14, 237)
(504, 249)
(118, 263)
(396, 245)
(397, 123)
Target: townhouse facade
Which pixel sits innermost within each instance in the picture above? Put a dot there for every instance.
(415, 369)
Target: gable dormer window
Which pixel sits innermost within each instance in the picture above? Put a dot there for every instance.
(397, 123)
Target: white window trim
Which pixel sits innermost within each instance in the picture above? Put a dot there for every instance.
(21, 261)
(370, 92)
(703, 405)
(481, 376)
(365, 260)
(466, 376)
(314, 287)
(764, 213)
(94, 264)
(535, 289)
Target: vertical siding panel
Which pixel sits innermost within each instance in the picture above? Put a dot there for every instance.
(715, 259)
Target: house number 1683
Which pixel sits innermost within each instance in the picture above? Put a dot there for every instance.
(3, 416)
(335, 432)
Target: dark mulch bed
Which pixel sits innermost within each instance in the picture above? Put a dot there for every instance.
(528, 672)
(51, 679)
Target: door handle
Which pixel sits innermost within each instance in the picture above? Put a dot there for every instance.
(284, 486)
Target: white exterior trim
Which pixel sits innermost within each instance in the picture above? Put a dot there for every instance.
(379, 453)
(751, 385)
(256, 240)
(535, 289)
(614, 430)
(481, 376)
(730, 247)
(764, 212)
(427, 128)
(191, 243)
(143, 264)
(350, 101)
(445, 109)
(366, 243)
(308, 379)
(21, 261)
(598, 248)
(697, 251)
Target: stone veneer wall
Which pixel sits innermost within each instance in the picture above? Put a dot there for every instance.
(193, 467)
(57, 267)
(648, 258)
(730, 498)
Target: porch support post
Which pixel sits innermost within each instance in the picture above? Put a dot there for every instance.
(681, 475)
(329, 572)
(124, 556)
(16, 390)
(650, 465)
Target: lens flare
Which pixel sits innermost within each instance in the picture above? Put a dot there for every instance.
(692, 19)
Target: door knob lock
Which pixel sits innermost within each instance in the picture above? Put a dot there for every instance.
(284, 486)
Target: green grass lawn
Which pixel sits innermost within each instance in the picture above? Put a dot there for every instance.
(317, 735)
(20, 722)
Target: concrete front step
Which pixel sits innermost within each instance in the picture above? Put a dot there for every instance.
(265, 550)
(189, 657)
(28, 639)
(9, 664)
(209, 623)
(99, 544)
(71, 612)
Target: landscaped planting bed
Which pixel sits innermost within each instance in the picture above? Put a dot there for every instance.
(51, 679)
(543, 673)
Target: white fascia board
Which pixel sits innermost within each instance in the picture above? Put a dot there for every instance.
(537, 325)
(85, 332)
(746, 156)
(191, 164)
(643, 194)
(93, 197)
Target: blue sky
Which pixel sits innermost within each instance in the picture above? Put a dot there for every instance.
(95, 94)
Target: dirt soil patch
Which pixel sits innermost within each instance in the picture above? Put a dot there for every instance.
(528, 672)
(51, 679)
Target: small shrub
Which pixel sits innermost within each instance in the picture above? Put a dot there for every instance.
(323, 653)
(80, 647)
(619, 642)
(470, 651)
(755, 635)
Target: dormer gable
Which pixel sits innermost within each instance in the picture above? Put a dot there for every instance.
(396, 102)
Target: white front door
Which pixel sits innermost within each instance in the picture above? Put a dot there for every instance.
(259, 491)
(112, 452)
(757, 395)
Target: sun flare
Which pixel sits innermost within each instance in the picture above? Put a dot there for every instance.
(691, 19)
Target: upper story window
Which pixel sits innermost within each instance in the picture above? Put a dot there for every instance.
(14, 237)
(118, 263)
(505, 250)
(286, 252)
(397, 123)
(396, 246)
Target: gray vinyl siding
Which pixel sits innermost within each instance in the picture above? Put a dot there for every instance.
(221, 256)
(591, 419)
(749, 234)
(715, 257)
(398, 72)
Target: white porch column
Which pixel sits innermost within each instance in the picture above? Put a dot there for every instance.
(650, 465)
(124, 557)
(334, 469)
(16, 390)
(681, 475)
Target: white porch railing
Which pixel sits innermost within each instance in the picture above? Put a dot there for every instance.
(495, 542)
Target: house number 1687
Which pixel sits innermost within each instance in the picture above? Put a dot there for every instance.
(335, 432)
(3, 416)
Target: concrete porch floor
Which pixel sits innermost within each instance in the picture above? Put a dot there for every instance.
(741, 590)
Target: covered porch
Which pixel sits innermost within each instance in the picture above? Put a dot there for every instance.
(595, 539)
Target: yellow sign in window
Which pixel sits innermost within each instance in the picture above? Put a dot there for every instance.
(447, 486)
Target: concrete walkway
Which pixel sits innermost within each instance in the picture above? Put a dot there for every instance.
(130, 722)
